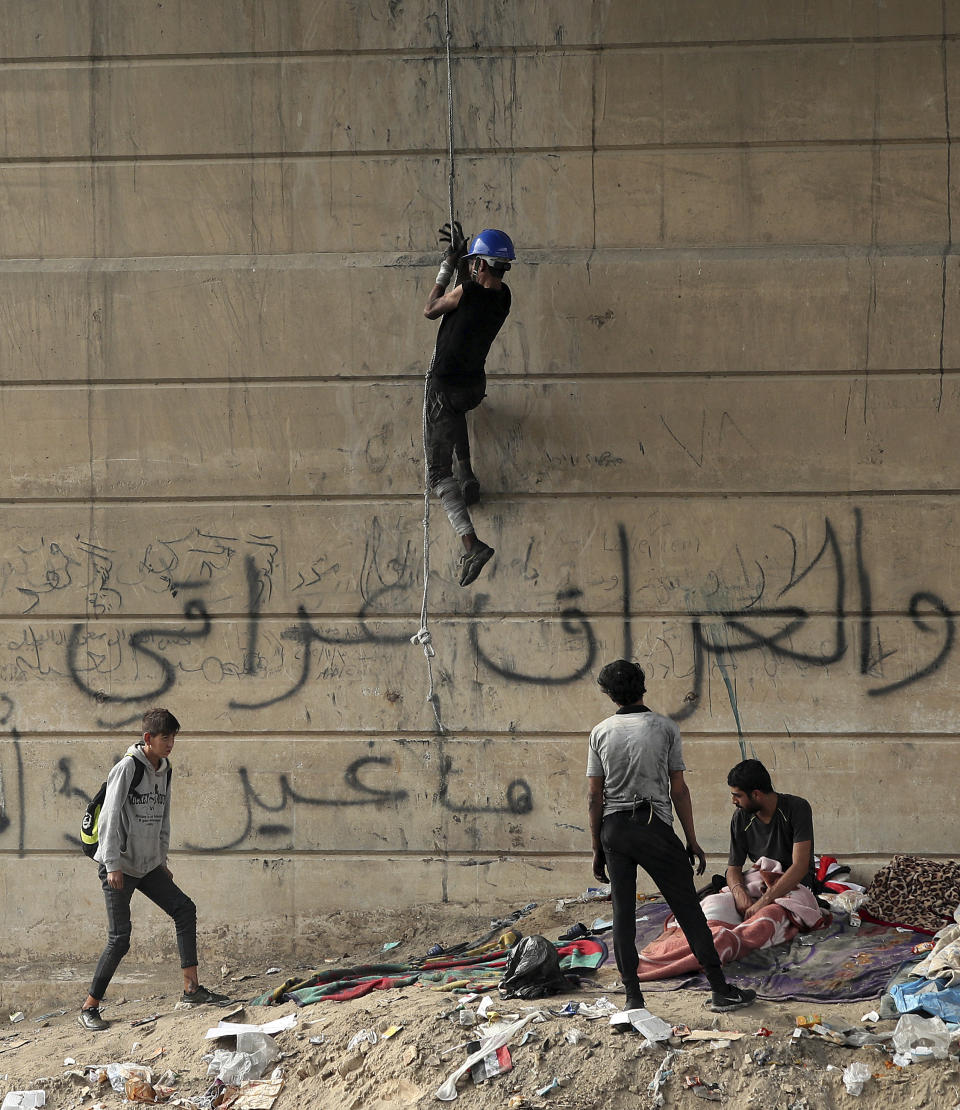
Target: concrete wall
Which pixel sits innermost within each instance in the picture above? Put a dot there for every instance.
(720, 434)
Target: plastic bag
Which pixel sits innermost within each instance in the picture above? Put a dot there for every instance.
(533, 970)
(139, 1090)
(118, 1074)
(849, 900)
(855, 1075)
(255, 1053)
(919, 1036)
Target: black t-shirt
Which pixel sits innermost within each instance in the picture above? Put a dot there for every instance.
(792, 823)
(466, 333)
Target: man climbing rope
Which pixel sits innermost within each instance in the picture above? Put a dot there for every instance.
(473, 313)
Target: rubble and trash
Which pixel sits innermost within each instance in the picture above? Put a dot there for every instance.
(603, 1007)
(24, 1100)
(712, 1035)
(118, 1074)
(139, 1090)
(46, 1017)
(254, 1053)
(258, 1094)
(489, 1066)
(447, 1091)
(591, 894)
(917, 1037)
(533, 970)
(662, 1074)
(553, 1085)
(18, 1016)
(653, 1028)
(233, 1028)
(709, 1091)
(365, 1036)
(855, 1075)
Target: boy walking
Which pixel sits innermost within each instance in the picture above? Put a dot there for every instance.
(134, 836)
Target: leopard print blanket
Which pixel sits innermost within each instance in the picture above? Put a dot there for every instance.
(911, 890)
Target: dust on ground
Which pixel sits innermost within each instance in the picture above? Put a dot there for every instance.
(603, 1069)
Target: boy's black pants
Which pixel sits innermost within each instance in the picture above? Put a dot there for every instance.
(159, 888)
(641, 838)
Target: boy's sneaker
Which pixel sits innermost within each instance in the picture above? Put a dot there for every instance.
(91, 1019)
(470, 489)
(731, 998)
(474, 561)
(202, 995)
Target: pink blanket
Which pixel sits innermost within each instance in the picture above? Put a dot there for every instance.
(777, 923)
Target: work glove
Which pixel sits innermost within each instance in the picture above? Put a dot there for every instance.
(456, 240)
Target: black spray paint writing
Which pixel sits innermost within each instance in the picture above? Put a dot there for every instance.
(718, 635)
(778, 643)
(361, 792)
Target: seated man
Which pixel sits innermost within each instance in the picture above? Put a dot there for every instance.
(779, 826)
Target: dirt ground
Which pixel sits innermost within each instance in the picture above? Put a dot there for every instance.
(603, 1069)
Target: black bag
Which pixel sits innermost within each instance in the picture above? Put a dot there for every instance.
(90, 825)
(533, 970)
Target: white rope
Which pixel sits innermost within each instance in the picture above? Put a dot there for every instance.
(422, 637)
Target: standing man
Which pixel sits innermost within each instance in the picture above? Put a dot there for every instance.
(766, 823)
(473, 312)
(634, 771)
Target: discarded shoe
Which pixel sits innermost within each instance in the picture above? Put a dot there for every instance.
(732, 998)
(575, 932)
(473, 561)
(470, 490)
(91, 1019)
(202, 995)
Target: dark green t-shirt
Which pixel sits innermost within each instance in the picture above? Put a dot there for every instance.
(792, 823)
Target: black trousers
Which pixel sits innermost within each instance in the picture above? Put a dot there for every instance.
(642, 839)
(446, 428)
(164, 892)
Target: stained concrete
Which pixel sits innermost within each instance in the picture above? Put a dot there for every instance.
(719, 434)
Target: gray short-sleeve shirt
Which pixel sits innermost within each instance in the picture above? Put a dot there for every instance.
(635, 753)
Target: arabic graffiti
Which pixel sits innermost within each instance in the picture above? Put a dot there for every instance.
(224, 583)
(7, 708)
(272, 816)
(747, 637)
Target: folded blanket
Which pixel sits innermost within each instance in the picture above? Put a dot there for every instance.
(919, 893)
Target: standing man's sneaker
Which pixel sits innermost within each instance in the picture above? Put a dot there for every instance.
(470, 489)
(731, 998)
(474, 561)
(202, 995)
(91, 1019)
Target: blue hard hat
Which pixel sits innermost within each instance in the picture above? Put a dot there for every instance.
(492, 245)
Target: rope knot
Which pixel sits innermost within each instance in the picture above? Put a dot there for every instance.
(424, 639)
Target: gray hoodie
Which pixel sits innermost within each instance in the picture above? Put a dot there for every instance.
(135, 832)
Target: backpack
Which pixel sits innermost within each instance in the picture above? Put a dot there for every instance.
(90, 824)
(533, 970)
